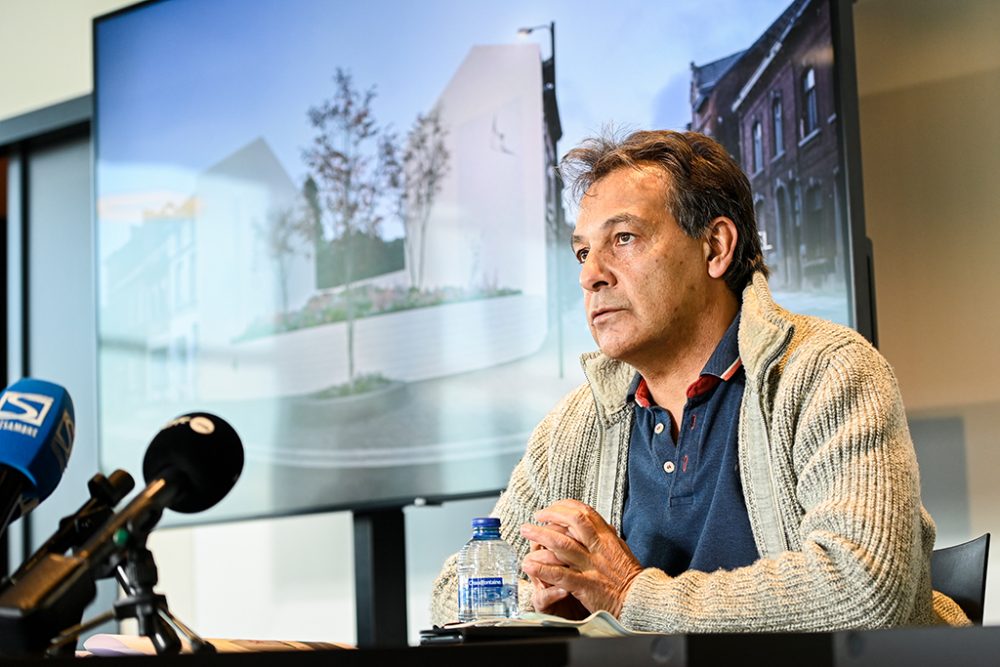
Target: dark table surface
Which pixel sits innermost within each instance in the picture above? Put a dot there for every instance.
(879, 648)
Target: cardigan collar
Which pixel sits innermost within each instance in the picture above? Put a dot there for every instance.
(764, 332)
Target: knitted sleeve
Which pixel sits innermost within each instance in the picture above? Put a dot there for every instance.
(855, 556)
(526, 492)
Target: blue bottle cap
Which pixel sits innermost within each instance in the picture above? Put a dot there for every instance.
(486, 522)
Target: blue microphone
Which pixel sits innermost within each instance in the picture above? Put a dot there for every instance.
(36, 438)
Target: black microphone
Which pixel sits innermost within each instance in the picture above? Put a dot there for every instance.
(189, 466)
(36, 438)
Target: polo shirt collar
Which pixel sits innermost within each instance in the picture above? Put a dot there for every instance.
(721, 367)
(725, 361)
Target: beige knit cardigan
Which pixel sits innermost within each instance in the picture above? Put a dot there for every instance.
(829, 477)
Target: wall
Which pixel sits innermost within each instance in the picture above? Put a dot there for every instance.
(45, 51)
(929, 80)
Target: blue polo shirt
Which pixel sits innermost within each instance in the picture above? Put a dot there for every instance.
(684, 507)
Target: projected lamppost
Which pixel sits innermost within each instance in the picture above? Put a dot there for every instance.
(551, 27)
(553, 128)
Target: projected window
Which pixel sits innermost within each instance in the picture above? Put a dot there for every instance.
(810, 114)
(777, 130)
(758, 147)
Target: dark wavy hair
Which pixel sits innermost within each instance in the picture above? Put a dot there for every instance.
(705, 183)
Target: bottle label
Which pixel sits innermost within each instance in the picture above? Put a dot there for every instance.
(485, 591)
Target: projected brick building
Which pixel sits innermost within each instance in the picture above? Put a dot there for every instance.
(772, 105)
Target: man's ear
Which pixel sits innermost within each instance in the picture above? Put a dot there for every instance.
(720, 245)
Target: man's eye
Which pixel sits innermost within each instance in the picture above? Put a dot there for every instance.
(581, 255)
(624, 238)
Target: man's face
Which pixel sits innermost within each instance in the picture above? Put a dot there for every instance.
(644, 280)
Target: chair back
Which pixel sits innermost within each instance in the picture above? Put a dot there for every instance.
(960, 573)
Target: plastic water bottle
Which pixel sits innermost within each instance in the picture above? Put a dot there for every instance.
(487, 574)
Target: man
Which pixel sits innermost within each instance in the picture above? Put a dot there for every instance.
(728, 466)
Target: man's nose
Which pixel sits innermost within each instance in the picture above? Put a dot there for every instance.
(595, 274)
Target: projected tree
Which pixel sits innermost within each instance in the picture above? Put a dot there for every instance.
(312, 208)
(283, 233)
(425, 164)
(352, 161)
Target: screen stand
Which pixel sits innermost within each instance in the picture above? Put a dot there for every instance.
(380, 577)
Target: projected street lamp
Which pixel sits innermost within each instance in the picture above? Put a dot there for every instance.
(554, 129)
(548, 84)
(548, 80)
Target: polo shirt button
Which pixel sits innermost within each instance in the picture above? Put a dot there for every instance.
(669, 467)
(658, 429)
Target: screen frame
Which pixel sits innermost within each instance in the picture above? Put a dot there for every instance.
(860, 252)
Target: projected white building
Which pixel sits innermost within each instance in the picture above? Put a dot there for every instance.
(488, 226)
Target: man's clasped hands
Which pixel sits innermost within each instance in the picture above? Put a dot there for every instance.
(577, 564)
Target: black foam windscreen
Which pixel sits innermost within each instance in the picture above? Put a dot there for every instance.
(200, 451)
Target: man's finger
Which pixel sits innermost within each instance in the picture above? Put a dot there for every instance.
(536, 582)
(544, 557)
(550, 537)
(553, 575)
(581, 521)
(534, 546)
(544, 598)
(565, 547)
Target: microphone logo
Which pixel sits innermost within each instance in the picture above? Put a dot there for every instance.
(62, 441)
(30, 409)
(202, 425)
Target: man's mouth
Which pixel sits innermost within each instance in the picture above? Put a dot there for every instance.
(600, 314)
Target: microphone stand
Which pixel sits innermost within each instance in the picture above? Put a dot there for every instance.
(136, 572)
(73, 530)
(138, 575)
